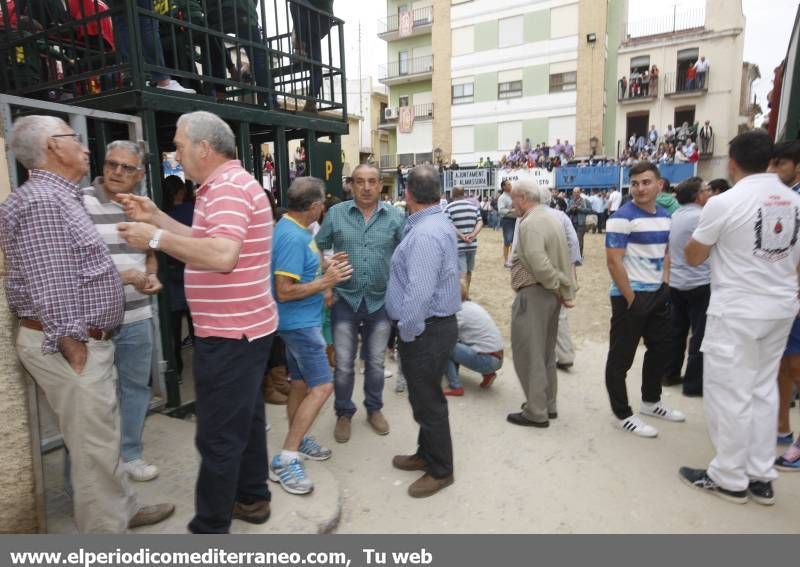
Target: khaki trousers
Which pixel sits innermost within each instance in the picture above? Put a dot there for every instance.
(534, 329)
(88, 416)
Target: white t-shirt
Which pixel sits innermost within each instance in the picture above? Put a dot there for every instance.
(614, 200)
(753, 228)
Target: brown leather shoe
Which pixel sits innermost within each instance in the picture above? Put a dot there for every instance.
(149, 515)
(342, 430)
(409, 462)
(378, 423)
(426, 485)
(255, 513)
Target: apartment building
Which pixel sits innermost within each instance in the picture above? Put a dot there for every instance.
(469, 78)
(674, 44)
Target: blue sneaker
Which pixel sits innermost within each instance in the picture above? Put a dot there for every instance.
(291, 475)
(787, 439)
(310, 449)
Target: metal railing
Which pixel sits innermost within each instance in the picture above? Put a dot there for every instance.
(391, 161)
(388, 161)
(682, 82)
(636, 89)
(421, 17)
(251, 52)
(705, 146)
(679, 20)
(415, 66)
(421, 112)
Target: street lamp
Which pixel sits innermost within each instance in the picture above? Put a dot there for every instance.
(437, 155)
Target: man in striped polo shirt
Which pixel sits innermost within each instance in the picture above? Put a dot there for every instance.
(636, 253)
(123, 173)
(228, 284)
(466, 219)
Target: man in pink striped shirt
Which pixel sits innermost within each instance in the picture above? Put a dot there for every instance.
(228, 288)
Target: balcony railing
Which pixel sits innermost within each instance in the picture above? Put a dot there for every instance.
(421, 112)
(681, 82)
(408, 67)
(705, 146)
(636, 90)
(252, 52)
(678, 21)
(391, 161)
(420, 17)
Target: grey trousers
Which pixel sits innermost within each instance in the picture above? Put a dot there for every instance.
(534, 329)
(565, 352)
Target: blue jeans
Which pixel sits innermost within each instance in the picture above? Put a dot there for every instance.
(375, 335)
(467, 356)
(151, 39)
(133, 354)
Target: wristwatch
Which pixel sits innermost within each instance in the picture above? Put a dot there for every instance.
(153, 244)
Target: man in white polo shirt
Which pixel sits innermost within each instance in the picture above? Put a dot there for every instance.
(123, 173)
(750, 234)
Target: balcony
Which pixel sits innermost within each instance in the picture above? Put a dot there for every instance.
(635, 91)
(270, 54)
(406, 71)
(679, 85)
(406, 160)
(392, 115)
(418, 23)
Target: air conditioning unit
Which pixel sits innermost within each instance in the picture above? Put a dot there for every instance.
(390, 114)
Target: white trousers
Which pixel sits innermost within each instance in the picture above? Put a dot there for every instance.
(740, 394)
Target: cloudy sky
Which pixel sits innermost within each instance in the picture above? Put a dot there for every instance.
(769, 25)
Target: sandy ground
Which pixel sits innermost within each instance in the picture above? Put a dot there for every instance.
(580, 475)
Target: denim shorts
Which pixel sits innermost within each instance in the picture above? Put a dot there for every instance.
(508, 225)
(306, 356)
(466, 261)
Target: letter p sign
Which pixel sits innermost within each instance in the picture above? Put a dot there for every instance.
(328, 169)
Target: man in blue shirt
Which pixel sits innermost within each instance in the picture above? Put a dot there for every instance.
(299, 287)
(636, 253)
(423, 296)
(368, 231)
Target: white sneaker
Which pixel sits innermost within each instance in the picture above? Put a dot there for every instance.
(387, 374)
(140, 471)
(174, 85)
(635, 425)
(661, 411)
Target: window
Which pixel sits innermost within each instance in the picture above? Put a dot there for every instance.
(560, 82)
(508, 134)
(403, 62)
(463, 40)
(509, 84)
(463, 138)
(510, 31)
(564, 21)
(402, 101)
(463, 93)
(640, 64)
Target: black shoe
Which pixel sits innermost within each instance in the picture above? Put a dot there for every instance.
(699, 479)
(550, 414)
(564, 367)
(693, 394)
(671, 380)
(520, 419)
(762, 492)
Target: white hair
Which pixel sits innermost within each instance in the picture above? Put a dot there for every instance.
(545, 196)
(131, 147)
(202, 125)
(529, 188)
(29, 138)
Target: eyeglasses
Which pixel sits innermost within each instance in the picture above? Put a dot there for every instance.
(126, 169)
(77, 137)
